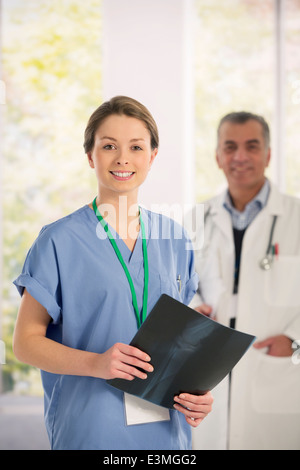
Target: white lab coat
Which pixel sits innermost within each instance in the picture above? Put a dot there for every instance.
(264, 411)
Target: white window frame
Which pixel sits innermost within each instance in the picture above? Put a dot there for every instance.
(279, 119)
(1, 195)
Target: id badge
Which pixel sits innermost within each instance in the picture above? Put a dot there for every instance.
(139, 411)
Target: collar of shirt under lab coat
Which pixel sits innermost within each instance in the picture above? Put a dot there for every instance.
(241, 220)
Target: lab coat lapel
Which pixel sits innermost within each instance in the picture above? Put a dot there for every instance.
(275, 202)
(257, 234)
(221, 217)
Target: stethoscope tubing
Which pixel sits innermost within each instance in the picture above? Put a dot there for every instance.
(267, 260)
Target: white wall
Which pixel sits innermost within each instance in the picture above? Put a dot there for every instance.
(147, 51)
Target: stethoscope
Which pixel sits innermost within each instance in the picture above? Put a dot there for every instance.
(267, 260)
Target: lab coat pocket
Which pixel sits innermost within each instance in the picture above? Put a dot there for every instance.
(275, 384)
(282, 282)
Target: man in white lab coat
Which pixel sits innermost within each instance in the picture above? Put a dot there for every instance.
(249, 270)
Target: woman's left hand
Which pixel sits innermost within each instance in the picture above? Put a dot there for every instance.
(194, 407)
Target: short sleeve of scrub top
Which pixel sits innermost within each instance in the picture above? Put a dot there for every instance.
(40, 276)
(72, 270)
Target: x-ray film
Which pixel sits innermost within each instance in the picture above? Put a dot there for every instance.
(189, 352)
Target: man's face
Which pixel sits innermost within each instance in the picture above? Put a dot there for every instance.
(242, 154)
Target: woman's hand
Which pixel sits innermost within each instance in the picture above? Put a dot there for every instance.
(194, 407)
(124, 362)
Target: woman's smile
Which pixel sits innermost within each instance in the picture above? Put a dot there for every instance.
(122, 175)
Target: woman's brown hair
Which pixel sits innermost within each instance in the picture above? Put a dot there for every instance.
(119, 105)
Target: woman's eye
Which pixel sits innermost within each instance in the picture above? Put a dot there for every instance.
(136, 147)
(109, 147)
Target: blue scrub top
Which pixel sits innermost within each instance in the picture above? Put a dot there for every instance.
(73, 271)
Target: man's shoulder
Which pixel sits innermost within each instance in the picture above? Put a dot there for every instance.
(214, 201)
(284, 197)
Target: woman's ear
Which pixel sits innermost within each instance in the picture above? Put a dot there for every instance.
(154, 152)
(90, 159)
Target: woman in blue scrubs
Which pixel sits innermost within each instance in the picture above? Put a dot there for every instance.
(87, 284)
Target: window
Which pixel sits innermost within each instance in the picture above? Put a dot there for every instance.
(236, 61)
(291, 92)
(51, 56)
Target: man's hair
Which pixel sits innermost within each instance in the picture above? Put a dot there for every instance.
(241, 117)
(119, 105)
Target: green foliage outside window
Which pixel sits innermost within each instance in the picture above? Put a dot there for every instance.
(52, 70)
(235, 50)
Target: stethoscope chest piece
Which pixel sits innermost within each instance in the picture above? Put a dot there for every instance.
(266, 263)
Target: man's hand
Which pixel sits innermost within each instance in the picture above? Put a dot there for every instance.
(278, 346)
(204, 309)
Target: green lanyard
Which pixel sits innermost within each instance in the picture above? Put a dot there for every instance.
(146, 268)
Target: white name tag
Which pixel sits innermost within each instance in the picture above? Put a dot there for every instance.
(140, 411)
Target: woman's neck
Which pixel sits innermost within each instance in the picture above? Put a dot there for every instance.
(121, 213)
